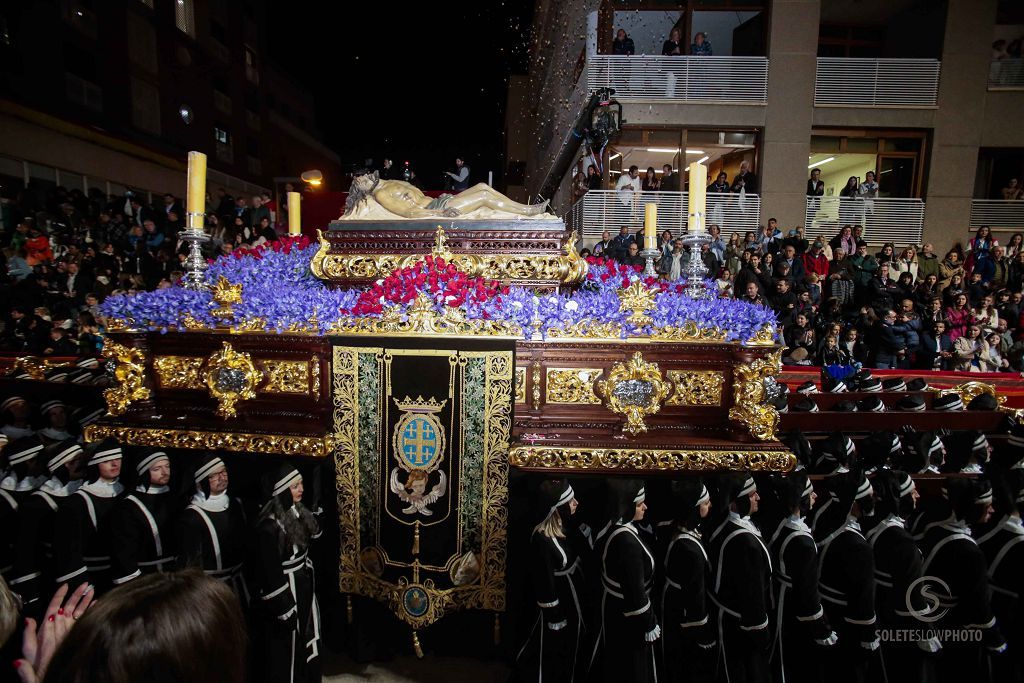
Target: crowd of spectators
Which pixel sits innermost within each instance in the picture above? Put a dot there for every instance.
(841, 302)
(65, 251)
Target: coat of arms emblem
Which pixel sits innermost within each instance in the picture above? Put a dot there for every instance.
(418, 446)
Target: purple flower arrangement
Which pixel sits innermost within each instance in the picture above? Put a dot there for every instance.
(279, 288)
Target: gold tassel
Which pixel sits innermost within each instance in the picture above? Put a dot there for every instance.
(348, 609)
(497, 628)
(416, 539)
(416, 646)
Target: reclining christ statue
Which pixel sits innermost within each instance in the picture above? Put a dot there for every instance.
(404, 200)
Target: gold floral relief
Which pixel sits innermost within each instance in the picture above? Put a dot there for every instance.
(750, 407)
(129, 377)
(649, 459)
(572, 385)
(237, 442)
(231, 377)
(285, 376)
(520, 385)
(180, 372)
(696, 388)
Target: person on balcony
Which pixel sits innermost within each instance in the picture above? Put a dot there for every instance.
(869, 188)
(650, 182)
(721, 184)
(623, 44)
(628, 185)
(1013, 190)
(852, 187)
(701, 46)
(669, 180)
(745, 180)
(673, 47)
(815, 185)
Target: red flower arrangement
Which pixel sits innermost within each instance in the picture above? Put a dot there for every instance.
(445, 284)
(283, 245)
(610, 273)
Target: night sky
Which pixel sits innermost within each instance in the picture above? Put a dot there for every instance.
(420, 81)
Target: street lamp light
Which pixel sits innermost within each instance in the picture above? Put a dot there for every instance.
(314, 178)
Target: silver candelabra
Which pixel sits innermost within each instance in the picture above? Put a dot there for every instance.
(695, 270)
(650, 255)
(195, 265)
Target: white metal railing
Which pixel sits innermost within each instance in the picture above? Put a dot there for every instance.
(997, 213)
(601, 210)
(860, 82)
(733, 80)
(885, 219)
(1006, 74)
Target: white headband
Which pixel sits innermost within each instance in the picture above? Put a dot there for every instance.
(208, 469)
(105, 456)
(864, 490)
(286, 481)
(704, 496)
(65, 456)
(907, 487)
(748, 487)
(640, 496)
(151, 460)
(11, 401)
(985, 498)
(25, 455)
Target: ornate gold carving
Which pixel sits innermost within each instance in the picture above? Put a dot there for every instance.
(688, 332)
(763, 337)
(520, 391)
(567, 268)
(535, 378)
(695, 388)
(272, 444)
(587, 329)
(180, 372)
(285, 376)
(634, 389)
(314, 370)
(231, 377)
(33, 365)
(129, 376)
(750, 407)
(968, 391)
(226, 295)
(440, 248)
(120, 324)
(571, 385)
(190, 323)
(651, 459)
(638, 299)
(250, 325)
(422, 319)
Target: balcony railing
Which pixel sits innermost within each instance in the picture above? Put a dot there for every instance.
(885, 219)
(856, 82)
(1006, 74)
(997, 213)
(722, 80)
(601, 210)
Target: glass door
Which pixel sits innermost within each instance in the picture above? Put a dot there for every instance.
(896, 175)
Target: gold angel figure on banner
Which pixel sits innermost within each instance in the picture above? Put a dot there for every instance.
(413, 491)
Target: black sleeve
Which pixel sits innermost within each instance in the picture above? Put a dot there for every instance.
(542, 578)
(70, 531)
(126, 542)
(687, 605)
(191, 533)
(975, 596)
(748, 552)
(802, 563)
(636, 607)
(275, 594)
(26, 577)
(860, 576)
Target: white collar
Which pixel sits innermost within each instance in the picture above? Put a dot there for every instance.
(744, 522)
(217, 503)
(55, 487)
(152, 489)
(12, 483)
(103, 489)
(852, 523)
(54, 434)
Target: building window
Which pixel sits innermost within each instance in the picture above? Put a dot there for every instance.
(145, 106)
(81, 15)
(895, 157)
(142, 43)
(185, 17)
(252, 73)
(224, 151)
(221, 135)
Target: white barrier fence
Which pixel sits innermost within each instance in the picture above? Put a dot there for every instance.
(601, 210)
(887, 219)
(732, 80)
(859, 82)
(1006, 74)
(997, 213)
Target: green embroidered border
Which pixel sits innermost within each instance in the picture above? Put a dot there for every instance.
(369, 446)
(474, 400)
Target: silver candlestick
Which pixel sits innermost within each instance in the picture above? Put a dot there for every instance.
(650, 255)
(695, 270)
(195, 265)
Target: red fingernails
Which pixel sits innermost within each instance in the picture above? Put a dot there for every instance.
(50, 618)
(60, 611)
(17, 663)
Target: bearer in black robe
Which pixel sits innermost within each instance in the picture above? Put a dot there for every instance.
(81, 538)
(688, 640)
(283, 576)
(21, 479)
(740, 590)
(212, 528)
(1001, 539)
(140, 524)
(629, 628)
(803, 638)
(33, 576)
(898, 564)
(952, 555)
(552, 650)
(847, 576)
